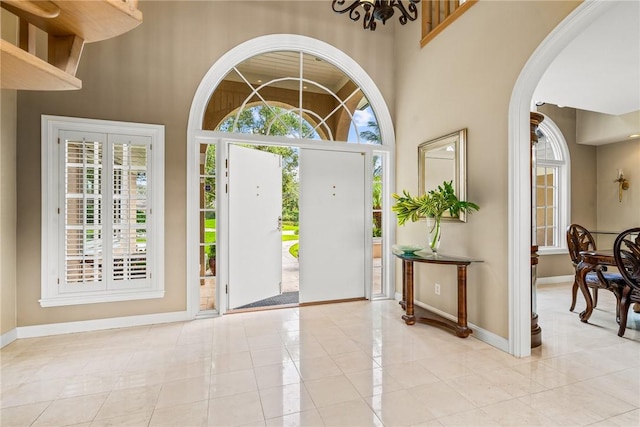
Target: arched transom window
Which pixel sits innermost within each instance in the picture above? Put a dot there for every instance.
(292, 94)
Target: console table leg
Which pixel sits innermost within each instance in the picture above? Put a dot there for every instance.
(463, 330)
(407, 285)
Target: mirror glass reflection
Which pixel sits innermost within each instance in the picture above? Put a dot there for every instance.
(444, 159)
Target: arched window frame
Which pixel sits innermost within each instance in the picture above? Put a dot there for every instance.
(562, 167)
(197, 135)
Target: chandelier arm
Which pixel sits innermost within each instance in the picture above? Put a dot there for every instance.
(369, 20)
(409, 13)
(376, 10)
(352, 9)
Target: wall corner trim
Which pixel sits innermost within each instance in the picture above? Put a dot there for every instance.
(8, 337)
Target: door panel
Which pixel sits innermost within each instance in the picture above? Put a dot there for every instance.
(255, 236)
(332, 225)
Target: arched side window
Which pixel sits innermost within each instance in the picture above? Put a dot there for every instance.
(553, 189)
(304, 94)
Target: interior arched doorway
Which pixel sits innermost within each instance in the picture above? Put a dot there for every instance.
(198, 133)
(519, 274)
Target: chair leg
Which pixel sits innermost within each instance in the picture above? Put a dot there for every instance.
(625, 303)
(617, 309)
(595, 297)
(574, 293)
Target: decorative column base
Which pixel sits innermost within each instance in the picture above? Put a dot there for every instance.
(536, 332)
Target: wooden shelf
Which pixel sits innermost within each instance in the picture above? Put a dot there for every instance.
(69, 24)
(21, 70)
(92, 21)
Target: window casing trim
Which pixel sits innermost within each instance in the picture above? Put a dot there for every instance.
(52, 270)
(563, 166)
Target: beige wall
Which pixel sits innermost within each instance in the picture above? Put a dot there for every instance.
(598, 128)
(464, 79)
(8, 195)
(614, 215)
(150, 75)
(8, 211)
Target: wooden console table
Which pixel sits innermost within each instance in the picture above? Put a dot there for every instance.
(460, 327)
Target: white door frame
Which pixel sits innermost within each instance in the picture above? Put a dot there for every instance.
(519, 274)
(195, 135)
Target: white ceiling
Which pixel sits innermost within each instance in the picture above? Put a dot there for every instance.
(600, 70)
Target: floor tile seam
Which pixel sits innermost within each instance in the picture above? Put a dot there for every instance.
(49, 403)
(319, 408)
(84, 395)
(95, 418)
(155, 408)
(460, 397)
(533, 410)
(411, 396)
(283, 415)
(606, 374)
(549, 414)
(635, 403)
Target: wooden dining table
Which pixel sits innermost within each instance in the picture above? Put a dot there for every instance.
(591, 261)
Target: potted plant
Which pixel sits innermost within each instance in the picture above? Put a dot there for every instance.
(431, 205)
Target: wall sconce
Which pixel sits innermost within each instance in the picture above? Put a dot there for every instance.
(623, 184)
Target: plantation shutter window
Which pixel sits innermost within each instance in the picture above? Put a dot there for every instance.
(83, 231)
(129, 210)
(103, 241)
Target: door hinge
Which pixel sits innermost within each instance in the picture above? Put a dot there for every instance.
(58, 211)
(226, 163)
(226, 289)
(226, 188)
(58, 141)
(58, 281)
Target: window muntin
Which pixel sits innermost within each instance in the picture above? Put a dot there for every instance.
(208, 229)
(103, 240)
(324, 103)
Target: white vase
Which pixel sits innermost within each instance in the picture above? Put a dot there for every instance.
(434, 232)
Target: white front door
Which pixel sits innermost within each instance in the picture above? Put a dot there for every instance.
(255, 236)
(332, 225)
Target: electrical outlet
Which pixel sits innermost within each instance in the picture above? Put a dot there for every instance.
(437, 288)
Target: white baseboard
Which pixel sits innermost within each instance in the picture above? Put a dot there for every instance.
(482, 334)
(99, 324)
(555, 279)
(8, 337)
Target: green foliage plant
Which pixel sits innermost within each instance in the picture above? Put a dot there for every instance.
(432, 204)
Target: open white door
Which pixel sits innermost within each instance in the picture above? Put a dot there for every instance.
(332, 225)
(255, 236)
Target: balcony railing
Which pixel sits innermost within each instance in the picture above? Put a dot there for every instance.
(438, 14)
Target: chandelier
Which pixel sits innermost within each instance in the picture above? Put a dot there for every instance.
(380, 10)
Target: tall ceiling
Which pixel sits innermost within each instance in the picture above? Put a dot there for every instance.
(600, 70)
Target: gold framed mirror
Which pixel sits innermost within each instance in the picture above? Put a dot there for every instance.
(444, 159)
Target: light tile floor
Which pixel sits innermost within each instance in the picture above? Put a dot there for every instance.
(349, 364)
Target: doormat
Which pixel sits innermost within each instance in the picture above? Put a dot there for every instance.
(284, 298)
